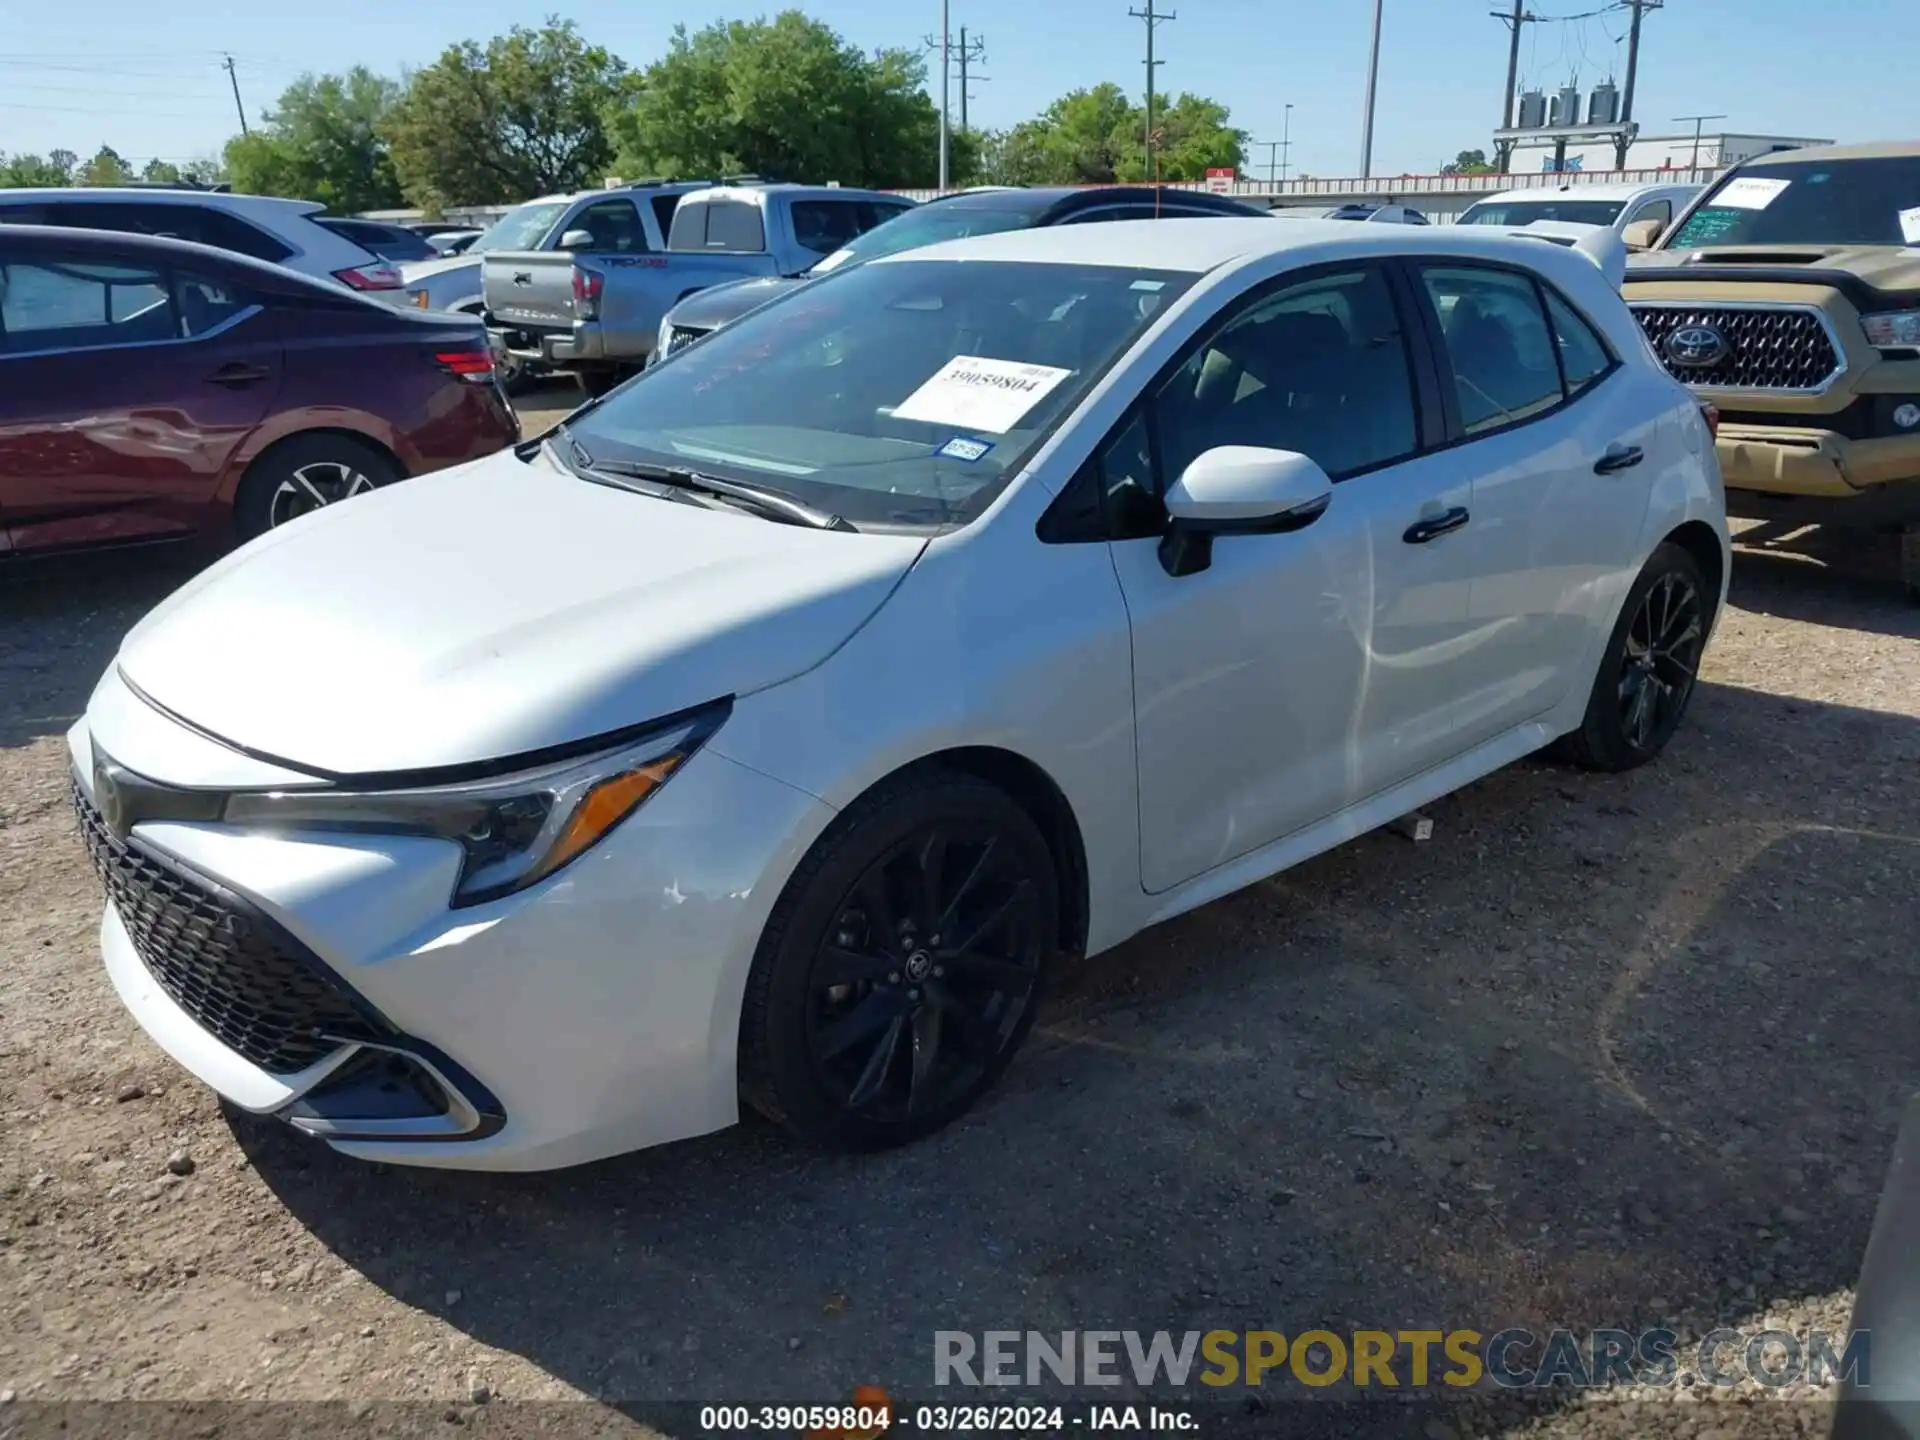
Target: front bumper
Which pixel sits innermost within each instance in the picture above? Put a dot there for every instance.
(595, 1013)
(1786, 460)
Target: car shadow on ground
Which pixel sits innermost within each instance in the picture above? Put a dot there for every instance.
(62, 619)
(1607, 1051)
(1845, 579)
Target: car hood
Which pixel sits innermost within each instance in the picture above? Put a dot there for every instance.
(1885, 267)
(414, 271)
(719, 305)
(493, 610)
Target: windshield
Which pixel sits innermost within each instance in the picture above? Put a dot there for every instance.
(904, 394)
(1836, 202)
(520, 229)
(1525, 212)
(927, 225)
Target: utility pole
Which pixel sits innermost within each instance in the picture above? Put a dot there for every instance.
(1698, 121)
(1373, 79)
(946, 139)
(1521, 16)
(1273, 149)
(970, 51)
(1154, 21)
(1286, 141)
(227, 65)
(1639, 8)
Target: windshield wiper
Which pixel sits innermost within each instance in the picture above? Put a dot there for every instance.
(773, 504)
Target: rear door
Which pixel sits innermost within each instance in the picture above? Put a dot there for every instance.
(125, 389)
(1563, 447)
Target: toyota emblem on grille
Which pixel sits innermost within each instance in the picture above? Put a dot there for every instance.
(1697, 347)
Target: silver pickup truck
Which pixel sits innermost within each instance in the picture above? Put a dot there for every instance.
(594, 308)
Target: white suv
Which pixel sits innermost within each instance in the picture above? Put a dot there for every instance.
(265, 227)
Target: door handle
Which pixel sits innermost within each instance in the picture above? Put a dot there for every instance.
(1617, 458)
(239, 373)
(1434, 526)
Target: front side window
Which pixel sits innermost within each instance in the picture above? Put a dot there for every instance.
(1660, 211)
(614, 225)
(520, 229)
(823, 226)
(52, 305)
(1318, 367)
(902, 394)
(1833, 202)
(1500, 351)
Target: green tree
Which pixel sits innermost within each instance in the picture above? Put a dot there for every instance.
(160, 171)
(787, 97)
(523, 115)
(1192, 136)
(322, 141)
(20, 171)
(1468, 162)
(1098, 136)
(105, 168)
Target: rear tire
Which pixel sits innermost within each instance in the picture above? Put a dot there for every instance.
(902, 967)
(1648, 671)
(303, 474)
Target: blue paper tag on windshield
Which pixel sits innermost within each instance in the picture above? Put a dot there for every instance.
(962, 448)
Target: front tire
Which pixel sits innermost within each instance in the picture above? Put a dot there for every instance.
(1648, 672)
(303, 474)
(903, 965)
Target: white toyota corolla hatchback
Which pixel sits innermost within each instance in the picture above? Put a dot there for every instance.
(771, 729)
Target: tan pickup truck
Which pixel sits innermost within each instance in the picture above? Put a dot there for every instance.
(1788, 297)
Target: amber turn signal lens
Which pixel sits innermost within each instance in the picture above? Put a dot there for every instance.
(606, 805)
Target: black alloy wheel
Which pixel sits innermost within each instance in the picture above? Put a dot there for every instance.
(903, 965)
(1648, 672)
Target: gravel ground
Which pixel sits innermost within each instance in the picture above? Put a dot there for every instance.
(1605, 1052)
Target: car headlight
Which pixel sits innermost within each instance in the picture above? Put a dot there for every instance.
(515, 829)
(1893, 329)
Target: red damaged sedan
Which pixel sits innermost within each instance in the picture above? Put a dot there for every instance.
(152, 389)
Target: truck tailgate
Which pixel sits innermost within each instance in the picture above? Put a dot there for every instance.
(529, 287)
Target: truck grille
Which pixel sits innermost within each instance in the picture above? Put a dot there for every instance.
(246, 981)
(1784, 349)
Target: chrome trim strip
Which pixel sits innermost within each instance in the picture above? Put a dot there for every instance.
(1758, 392)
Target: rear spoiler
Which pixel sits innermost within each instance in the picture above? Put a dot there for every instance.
(1599, 243)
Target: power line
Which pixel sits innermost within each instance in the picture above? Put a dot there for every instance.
(1154, 22)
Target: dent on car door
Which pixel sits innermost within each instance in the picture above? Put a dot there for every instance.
(126, 391)
(1299, 673)
(1557, 439)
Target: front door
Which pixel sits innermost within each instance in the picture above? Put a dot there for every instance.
(1563, 450)
(1304, 672)
(124, 391)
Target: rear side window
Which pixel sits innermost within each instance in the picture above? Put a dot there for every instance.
(1584, 357)
(206, 304)
(51, 305)
(663, 208)
(1500, 349)
(389, 242)
(201, 224)
(826, 225)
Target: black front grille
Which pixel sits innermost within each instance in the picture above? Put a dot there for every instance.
(682, 335)
(247, 981)
(1768, 349)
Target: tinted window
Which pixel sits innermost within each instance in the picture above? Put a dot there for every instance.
(1319, 367)
(1099, 214)
(199, 224)
(1583, 355)
(389, 242)
(1838, 202)
(1661, 210)
(735, 225)
(206, 304)
(1501, 352)
(926, 225)
(824, 226)
(663, 208)
(50, 305)
(904, 393)
(1556, 208)
(615, 227)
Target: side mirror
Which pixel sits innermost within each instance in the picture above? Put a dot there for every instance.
(1238, 490)
(1642, 234)
(577, 240)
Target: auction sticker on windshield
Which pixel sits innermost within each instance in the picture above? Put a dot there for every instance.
(1910, 226)
(971, 392)
(1751, 192)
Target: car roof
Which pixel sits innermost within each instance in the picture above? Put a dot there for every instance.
(183, 252)
(1868, 150)
(147, 195)
(782, 187)
(1201, 244)
(1047, 199)
(1586, 192)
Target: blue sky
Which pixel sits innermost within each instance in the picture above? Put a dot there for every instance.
(144, 76)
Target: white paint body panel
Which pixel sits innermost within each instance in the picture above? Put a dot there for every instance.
(1204, 732)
